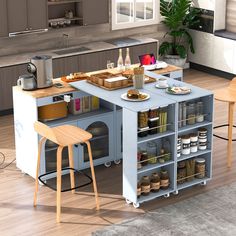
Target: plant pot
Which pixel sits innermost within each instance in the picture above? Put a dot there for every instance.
(175, 60)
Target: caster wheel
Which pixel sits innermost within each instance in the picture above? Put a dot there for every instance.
(117, 162)
(136, 205)
(166, 195)
(176, 192)
(203, 183)
(107, 164)
(128, 201)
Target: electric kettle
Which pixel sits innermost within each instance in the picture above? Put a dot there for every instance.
(27, 82)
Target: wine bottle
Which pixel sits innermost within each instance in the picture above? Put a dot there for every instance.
(120, 62)
(127, 60)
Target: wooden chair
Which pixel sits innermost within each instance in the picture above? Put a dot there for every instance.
(228, 95)
(65, 135)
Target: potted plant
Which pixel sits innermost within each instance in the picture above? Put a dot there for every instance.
(178, 16)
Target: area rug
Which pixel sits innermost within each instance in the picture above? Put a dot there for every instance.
(212, 213)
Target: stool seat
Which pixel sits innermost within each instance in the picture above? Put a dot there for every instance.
(64, 136)
(225, 94)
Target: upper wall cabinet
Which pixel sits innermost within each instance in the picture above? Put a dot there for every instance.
(94, 12)
(24, 15)
(3, 18)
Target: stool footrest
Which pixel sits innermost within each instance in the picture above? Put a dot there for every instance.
(69, 189)
(218, 136)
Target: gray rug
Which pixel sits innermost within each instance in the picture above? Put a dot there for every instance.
(212, 213)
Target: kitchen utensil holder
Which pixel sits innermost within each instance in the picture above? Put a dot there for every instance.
(68, 189)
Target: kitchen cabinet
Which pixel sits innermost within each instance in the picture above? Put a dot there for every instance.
(3, 18)
(24, 15)
(8, 78)
(94, 12)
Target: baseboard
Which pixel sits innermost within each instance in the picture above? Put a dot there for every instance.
(212, 71)
(186, 65)
(6, 112)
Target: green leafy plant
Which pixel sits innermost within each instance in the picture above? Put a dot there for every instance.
(178, 17)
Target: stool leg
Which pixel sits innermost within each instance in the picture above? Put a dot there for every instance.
(93, 174)
(42, 140)
(71, 163)
(230, 133)
(59, 157)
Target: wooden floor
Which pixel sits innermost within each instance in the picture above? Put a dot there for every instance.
(19, 217)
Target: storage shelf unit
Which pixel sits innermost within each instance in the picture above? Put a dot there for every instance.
(192, 183)
(196, 125)
(191, 155)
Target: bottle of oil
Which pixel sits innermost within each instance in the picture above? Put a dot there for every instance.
(127, 60)
(120, 62)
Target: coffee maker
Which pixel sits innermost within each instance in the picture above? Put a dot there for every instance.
(41, 68)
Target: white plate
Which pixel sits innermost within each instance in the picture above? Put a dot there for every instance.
(178, 93)
(161, 87)
(124, 97)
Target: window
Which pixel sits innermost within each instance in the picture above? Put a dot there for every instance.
(134, 13)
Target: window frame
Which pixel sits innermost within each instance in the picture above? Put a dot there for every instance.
(126, 25)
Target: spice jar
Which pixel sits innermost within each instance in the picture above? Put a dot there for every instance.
(155, 182)
(191, 113)
(181, 175)
(165, 180)
(178, 147)
(193, 142)
(199, 112)
(185, 144)
(143, 119)
(152, 152)
(145, 185)
(202, 139)
(200, 167)
(144, 158)
(139, 190)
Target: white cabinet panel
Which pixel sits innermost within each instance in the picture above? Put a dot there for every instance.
(203, 44)
(205, 4)
(223, 54)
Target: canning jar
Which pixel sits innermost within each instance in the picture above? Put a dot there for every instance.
(165, 180)
(181, 175)
(179, 147)
(152, 152)
(144, 158)
(202, 138)
(153, 113)
(193, 142)
(153, 124)
(145, 185)
(200, 167)
(143, 119)
(155, 182)
(199, 112)
(185, 144)
(191, 113)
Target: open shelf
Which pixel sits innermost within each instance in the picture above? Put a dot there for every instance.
(196, 125)
(57, 2)
(152, 195)
(64, 18)
(150, 167)
(191, 155)
(191, 183)
(150, 137)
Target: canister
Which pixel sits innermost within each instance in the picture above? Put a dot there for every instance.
(202, 138)
(165, 180)
(145, 185)
(200, 168)
(185, 144)
(193, 142)
(155, 182)
(152, 152)
(199, 112)
(143, 119)
(179, 147)
(191, 113)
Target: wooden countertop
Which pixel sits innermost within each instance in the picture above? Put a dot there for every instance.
(51, 91)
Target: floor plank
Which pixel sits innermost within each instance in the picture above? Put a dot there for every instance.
(19, 217)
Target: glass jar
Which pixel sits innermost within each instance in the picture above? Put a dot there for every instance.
(144, 158)
(165, 180)
(139, 158)
(191, 113)
(143, 119)
(152, 152)
(155, 182)
(145, 185)
(193, 142)
(181, 175)
(200, 168)
(153, 124)
(179, 147)
(202, 138)
(185, 144)
(153, 113)
(199, 112)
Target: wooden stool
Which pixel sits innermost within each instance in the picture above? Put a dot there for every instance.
(65, 135)
(228, 95)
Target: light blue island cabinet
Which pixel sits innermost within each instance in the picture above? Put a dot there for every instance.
(132, 142)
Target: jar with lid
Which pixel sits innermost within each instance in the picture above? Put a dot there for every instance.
(191, 113)
(179, 147)
(152, 152)
(143, 118)
(185, 144)
(145, 185)
(153, 113)
(200, 168)
(181, 175)
(199, 112)
(165, 180)
(139, 190)
(153, 124)
(144, 158)
(155, 182)
(193, 142)
(167, 148)
(202, 138)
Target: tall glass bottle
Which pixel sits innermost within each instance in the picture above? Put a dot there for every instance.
(127, 60)
(120, 62)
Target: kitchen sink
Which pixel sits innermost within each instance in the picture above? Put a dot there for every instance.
(71, 50)
(122, 41)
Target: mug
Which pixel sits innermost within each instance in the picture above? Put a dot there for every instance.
(162, 82)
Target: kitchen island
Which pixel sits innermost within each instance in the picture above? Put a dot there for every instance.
(121, 116)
